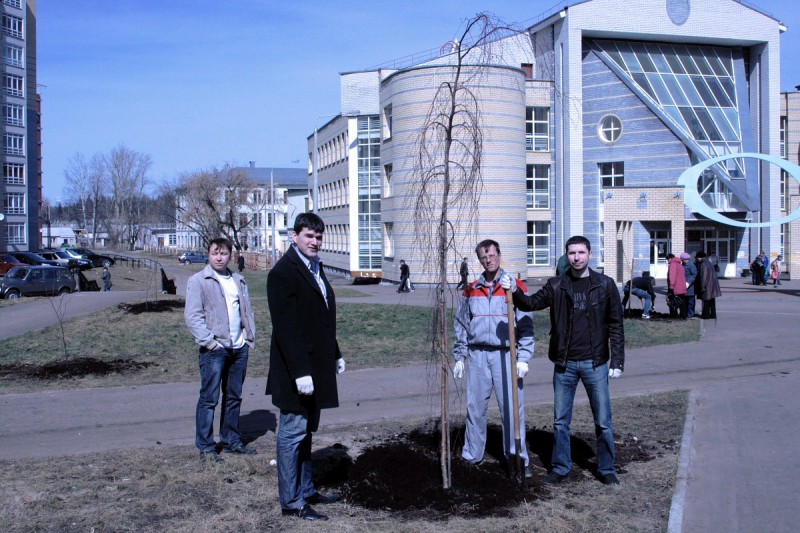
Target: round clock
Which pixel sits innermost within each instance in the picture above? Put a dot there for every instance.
(678, 10)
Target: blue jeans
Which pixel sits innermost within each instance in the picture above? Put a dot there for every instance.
(294, 458)
(690, 305)
(223, 369)
(644, 295)
(595, 381)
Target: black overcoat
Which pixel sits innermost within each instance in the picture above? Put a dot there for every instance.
(303, 337)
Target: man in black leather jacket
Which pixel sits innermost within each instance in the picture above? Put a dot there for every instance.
(586, 333)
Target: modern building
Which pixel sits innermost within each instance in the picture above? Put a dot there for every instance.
(587, 118)
(790, 188)
(21, 129)
(269, 220)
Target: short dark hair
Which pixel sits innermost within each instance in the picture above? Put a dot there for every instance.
(700, 255)
(485, 245)
(221, 242)
(311, 221)
(670, 256)
(577, 239)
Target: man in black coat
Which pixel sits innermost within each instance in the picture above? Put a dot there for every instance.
(304, 361)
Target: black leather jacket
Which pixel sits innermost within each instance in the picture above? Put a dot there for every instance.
(605, 317)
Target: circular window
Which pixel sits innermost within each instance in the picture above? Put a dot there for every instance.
(609, 129)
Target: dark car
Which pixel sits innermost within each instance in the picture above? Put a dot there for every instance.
(36, 281)
(7, 262)
(193, 257)
(97, 260)
(66, 260)
(30, 258)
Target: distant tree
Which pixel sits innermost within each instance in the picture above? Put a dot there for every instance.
(127, 176)
(218, 202)
(86, 185)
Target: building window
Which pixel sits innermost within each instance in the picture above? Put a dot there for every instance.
(13, 85)
(15, 233)
(528, 69)
(609, 129)
(387, 122)
(538, 186)
(13, 144)
(612, 174)
(370, 228)
(13, 55)
(13, 115)
(387, 180)
(13, 3)
(14, 203)
(12, 26)
(539, 243)
(784, 126)
(784, 182)
(388, 239)
(14, 173)
(537, 129)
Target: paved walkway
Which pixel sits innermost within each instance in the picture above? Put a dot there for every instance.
(738, 464)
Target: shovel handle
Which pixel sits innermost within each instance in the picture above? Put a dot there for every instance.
(512, 349)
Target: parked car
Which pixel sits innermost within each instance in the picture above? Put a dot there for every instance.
(98, 260)
(66, 260)
(7, 262)
(193, 257)
(36, 281)
(33, 259)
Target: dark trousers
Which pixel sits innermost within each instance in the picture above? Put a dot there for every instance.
(710, 308)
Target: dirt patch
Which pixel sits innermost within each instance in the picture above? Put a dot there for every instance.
(155, 306)
(72, 368)
(402, 474)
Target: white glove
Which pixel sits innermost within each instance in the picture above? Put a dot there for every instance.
(614, 372)
(522, 369)
(305, 385)
(458, 370)
(340, 365)
(508, 283)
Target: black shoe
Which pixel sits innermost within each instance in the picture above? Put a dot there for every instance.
(306, 512)
(322, 499)
(240, 449)
(554, 479)
(609, 479)
(211, 456)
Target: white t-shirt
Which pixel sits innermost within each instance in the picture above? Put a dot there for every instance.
(231, 292)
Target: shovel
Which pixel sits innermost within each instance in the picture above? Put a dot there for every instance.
(517, 466)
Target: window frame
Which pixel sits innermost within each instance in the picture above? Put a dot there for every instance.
(14, 203)
(605, 131)
(536, 197)
(537, 141)
(16, 233)
(538, 255)
(616, 176)
(13, 173)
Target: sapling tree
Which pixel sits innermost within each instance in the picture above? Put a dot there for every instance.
(447, 180)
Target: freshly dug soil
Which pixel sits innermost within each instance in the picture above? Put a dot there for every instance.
(71, 368)
(402, 474)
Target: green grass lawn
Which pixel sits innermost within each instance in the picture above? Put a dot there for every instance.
(370, 335)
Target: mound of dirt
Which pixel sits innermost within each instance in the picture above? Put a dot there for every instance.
(71, 368)
(155, 306)
(402, 474)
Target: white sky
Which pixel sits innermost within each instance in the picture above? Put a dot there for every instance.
(201, 83)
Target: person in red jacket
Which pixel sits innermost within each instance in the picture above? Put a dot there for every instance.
(676, 287)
